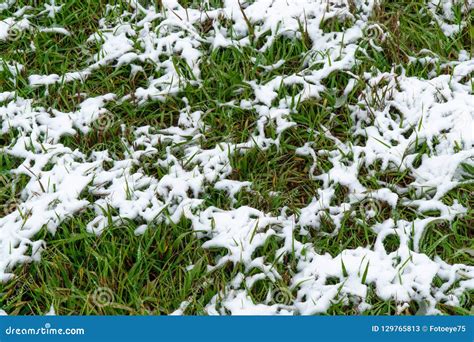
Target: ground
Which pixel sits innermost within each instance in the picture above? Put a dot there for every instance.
(312, 158)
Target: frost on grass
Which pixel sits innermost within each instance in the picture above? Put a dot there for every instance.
(393, 116)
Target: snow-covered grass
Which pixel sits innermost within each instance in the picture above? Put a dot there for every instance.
(226, 157)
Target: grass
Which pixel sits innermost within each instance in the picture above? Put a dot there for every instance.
(147, 274)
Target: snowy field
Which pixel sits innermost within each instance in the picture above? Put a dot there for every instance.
(280, 157)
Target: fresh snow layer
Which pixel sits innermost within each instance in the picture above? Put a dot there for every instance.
(393, 113)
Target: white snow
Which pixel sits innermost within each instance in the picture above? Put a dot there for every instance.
(394, 113)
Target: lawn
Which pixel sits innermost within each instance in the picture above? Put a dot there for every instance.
(223, 157)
